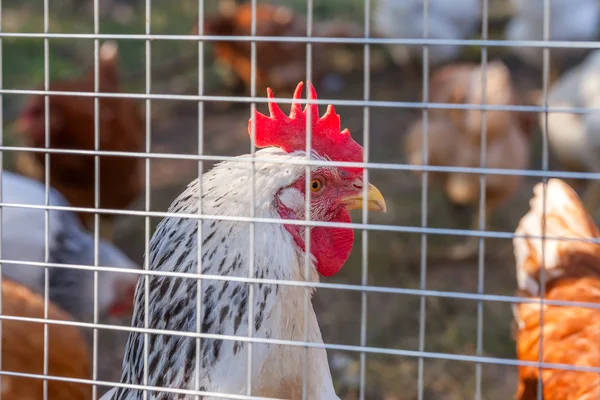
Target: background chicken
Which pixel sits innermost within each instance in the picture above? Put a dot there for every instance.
(279, 255)
(454, 138)
(575, 138)
(72, 128)
(457, 19)
(279, 64)
(23, 349)
(24, 240)
(570, 20)
(571, 273)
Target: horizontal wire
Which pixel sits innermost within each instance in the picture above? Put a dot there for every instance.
(316, 285)
(310, 223)
(328, 346)
(131, 386)
(326, 224)
(316, 163)
(338, 102)
(314, 39)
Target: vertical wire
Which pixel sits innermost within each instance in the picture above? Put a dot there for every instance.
(365, 210)
(307, 190)
(252, 200)
(147, 278)
(1, 183)
(482, 199)
(199, 222)
(1, 177)
(424, 198)
(96, 195)
(47, 191)
(545, 83)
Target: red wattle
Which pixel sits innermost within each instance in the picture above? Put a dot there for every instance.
(332, 246)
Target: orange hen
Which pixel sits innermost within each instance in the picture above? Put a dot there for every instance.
(454, 138)
(121, 128)
(280, 65)
(23, 349)
(571, 270)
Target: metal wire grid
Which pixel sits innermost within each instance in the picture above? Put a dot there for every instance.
(364, 226)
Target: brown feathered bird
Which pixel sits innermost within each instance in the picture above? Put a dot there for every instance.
(572, 273)
(72, 127)
(280, 65)
(23, 349)
(455, 138)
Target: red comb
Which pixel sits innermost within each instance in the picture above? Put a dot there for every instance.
(289, 132)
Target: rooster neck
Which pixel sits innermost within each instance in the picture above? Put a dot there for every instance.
(277, 313)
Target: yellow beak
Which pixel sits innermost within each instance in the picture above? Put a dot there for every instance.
(375, 200)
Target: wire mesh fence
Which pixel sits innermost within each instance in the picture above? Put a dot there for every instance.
(452, 104)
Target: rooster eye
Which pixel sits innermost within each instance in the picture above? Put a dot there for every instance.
(316, 185)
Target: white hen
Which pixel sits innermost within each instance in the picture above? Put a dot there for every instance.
(575, 138)
(24, 239)
(448, 19)
(570, 20)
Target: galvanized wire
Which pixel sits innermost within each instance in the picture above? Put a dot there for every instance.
(367, 104)
(424, 201)
(96, 193)
(307, 200)
(340, 102)
(317, 285)
(47, 189)
(148, 113)
(354, 225)
(545, 153)
(365, 208)
(315, 39)
(482, 199)
(252, 200)
(339, 347)
(200, 196)
(316, 163)
(1, 181)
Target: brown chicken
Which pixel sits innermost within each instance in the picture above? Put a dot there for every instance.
(72, 127)
(572, 273)
(23, 349)
(454, 138)
(280, 65)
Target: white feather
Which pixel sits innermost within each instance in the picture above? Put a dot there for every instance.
(570, 20)
(575, 138)
(448, 19)
(24, 239)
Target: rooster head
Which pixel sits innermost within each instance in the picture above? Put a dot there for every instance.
(334, 191)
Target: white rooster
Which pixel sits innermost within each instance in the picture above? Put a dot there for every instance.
(24, 239)
(575, 138)
(570, 20)
(279, 254)
(448, 19)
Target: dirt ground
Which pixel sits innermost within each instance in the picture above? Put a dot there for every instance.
(393, 258)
